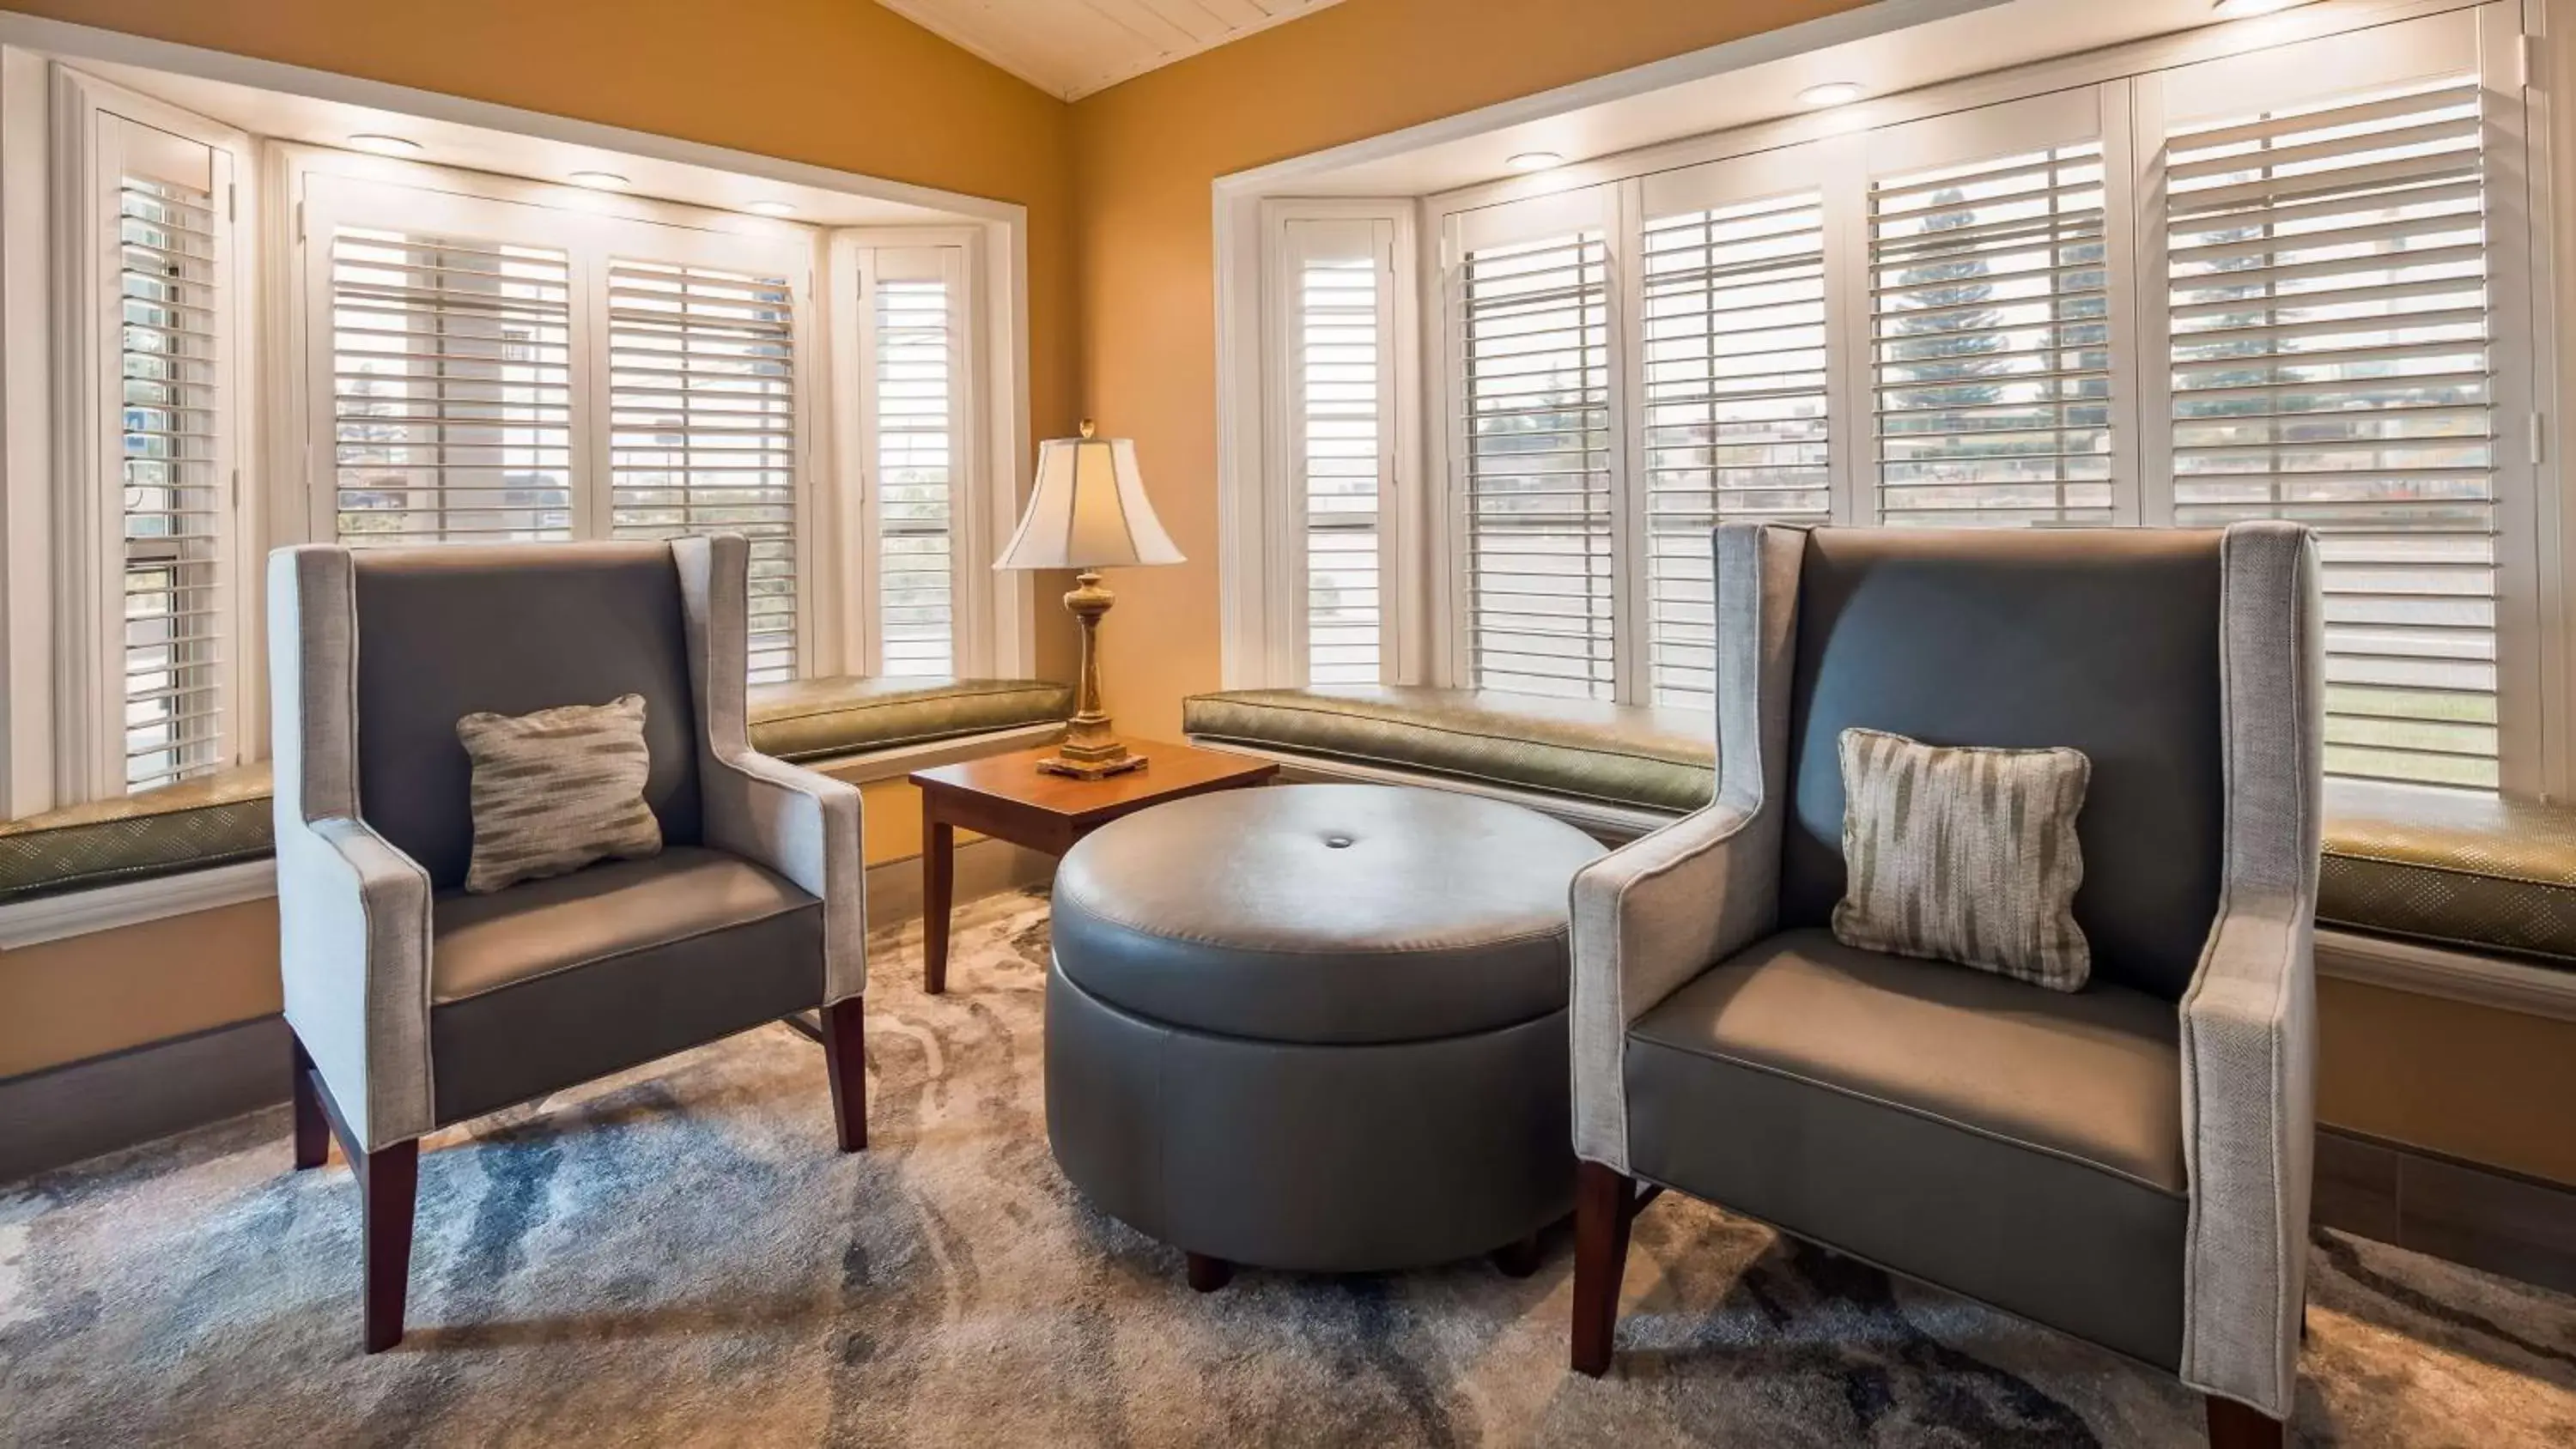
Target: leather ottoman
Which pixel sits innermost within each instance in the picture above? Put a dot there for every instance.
(1316, 1027)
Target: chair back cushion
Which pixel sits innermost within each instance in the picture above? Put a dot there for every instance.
(448, 632)
(2099, 640)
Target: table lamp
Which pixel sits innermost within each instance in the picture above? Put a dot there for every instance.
(1088, 512)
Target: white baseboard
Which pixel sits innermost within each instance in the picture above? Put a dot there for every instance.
(104, 908)
(2456, 975)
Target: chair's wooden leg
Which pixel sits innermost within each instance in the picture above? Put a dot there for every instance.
(2234, 1426)
(388, 1184)
(1605, 1203)
(312, 1128)
(1208, 1274)
(845, 1059)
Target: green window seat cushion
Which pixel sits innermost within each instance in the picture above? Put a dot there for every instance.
(1621, 755)
(2476, 874)
(816, 719)
(223, 818)
(212, 820)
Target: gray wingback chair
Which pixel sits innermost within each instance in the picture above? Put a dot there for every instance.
(415, 1005)
(2128, 1163)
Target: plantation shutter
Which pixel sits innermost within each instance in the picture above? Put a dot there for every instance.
(1733, 414)
(702, 425)
(916, 410)
(1541, 555)
(2331, 329)
(1989, 308)
(451, 388)
(173, 319)
(1341, 421)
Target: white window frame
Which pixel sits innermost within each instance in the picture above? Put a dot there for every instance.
(325, 184)
(1260, 503)
(86, 562)
(981, 513)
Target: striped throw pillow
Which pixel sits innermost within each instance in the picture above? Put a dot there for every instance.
(557, 789)
(1964, 855)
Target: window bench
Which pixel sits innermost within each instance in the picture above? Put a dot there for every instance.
(2419, 888)
(843, 725)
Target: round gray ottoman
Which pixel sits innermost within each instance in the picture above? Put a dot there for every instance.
(1316, 1027)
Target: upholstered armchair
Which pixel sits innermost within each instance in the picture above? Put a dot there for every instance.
(2128, 1163)
(415, 1005)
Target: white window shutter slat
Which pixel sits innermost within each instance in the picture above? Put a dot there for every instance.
(1339, 409)
(915, 376)
(1989, 305)
(2331, 364)
(451, 389)
(702, 425)
(174, 317)
(1535, 337)
(1734, 407)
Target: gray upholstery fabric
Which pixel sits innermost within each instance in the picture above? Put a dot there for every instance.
(372, 659)
(511, 629)
(353, 911)
(556, 790)
(1891, 1109)
(554, 982)
(2215, 765)
(1662, 909)
(1323, 913)
(1318, 1158)
(800, 824)
(2249, 1021)
(2098, 640)
(485, 942)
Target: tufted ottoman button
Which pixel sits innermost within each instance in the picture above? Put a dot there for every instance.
(1332, 1060)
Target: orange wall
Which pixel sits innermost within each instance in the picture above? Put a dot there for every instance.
(1146, 153)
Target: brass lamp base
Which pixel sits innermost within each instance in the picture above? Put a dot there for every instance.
(1090, 750)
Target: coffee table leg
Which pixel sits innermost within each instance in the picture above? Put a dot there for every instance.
(938, 884)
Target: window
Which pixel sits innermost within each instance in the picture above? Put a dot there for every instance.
(1340, 435)
(1989, 306)
(1541, 560)
(451, 389)
(914, 445)
(2278, 284)
(496, 371)
(702, 425)
(1733, 412)
(2331, 355)
(149, 664)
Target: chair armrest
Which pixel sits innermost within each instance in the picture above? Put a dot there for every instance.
(805, 826)
(2249, 1044)
(353, 952)
(1648, 918)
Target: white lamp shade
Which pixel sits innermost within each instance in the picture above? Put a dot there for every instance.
(1088, 511)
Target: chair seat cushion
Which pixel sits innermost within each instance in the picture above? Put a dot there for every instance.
(1622, 755)
(557, 981)
(2018, 1145)
(815, 719)
(2479, 873)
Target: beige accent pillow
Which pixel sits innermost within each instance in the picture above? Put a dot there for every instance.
(1965, 855)
(556, 790)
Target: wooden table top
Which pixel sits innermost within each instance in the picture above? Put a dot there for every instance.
(1174, 770)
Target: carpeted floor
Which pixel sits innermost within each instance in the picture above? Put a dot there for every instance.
(678, 1256)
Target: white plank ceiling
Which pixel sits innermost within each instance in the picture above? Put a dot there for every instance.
(1074, 47)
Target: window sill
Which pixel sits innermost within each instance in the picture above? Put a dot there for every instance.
(107, 908)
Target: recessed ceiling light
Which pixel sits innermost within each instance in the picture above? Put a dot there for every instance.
(1831, 93)
(771, 208)
(598, 180)
(2237, 9)
(1534, 161)
(383, 145)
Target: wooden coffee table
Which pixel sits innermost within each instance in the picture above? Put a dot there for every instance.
(1005, 796)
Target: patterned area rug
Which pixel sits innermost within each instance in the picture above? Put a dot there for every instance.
(678, 1256)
